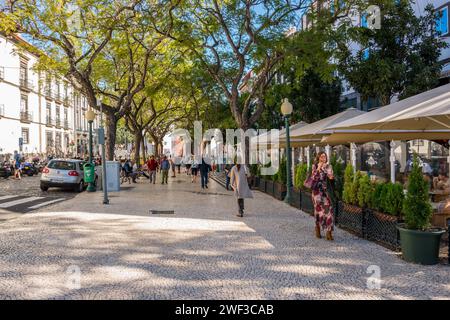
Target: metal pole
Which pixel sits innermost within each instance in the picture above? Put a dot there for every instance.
(392, 160)
(91, 187)
(104, 184)
(287, 199)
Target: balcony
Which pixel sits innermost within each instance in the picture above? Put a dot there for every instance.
(26, 84)
(66, 101)
(2, 110)
(49, 121)
(66, 124)
(48, 93)
(26, 117)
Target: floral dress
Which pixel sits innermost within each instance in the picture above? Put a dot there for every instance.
(323, 207)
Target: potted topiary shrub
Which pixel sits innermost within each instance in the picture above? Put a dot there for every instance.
(350, 215)
(384, 213)
(419, 241)
(301, 172)
(253, 178)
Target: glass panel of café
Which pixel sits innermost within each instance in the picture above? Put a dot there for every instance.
(373, 158)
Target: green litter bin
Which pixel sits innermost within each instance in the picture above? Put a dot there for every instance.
(89, 173)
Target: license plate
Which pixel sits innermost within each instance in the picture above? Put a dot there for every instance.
(56, 180)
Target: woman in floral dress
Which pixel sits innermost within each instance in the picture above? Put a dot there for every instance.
(323, 207)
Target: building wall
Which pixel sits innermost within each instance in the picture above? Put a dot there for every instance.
(45, 134)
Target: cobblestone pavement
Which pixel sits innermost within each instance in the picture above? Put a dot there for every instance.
(81, 249)
(29, 186)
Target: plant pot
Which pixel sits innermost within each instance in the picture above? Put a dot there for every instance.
(295, 198)
(382, 228)
(306, 202)
(262, 185)
(269, 187)
(352, 218)
(420, 246)
(279, 190)
(256, 183)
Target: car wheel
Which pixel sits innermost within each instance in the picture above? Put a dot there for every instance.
(80, 186)
(44, 188)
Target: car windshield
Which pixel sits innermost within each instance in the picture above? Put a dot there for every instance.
(61, 165)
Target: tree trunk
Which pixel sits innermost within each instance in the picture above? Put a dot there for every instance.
(137, 147)
(143, 148)
(111, 124)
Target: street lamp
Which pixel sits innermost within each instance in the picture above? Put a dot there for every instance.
(286, 110)
(90, 116)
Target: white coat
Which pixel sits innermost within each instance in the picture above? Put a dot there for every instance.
(238, 181)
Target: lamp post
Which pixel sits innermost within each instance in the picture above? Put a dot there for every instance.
(286, 110)
(90, 116)
(101, 135)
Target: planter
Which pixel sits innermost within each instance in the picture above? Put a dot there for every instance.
(352, 218)
(295, 198)
(420, 246)
(279, 190)
(262, 185)
(256, 183)
(306, 202)
(382, 228)
(269, 187)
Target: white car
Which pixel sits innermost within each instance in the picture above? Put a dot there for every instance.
(64, 173)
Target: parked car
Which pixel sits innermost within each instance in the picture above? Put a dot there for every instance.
(64, 173)
(6, 170)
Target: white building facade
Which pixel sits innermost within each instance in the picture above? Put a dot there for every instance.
(40, 113)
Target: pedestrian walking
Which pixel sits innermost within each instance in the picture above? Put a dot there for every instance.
(152, 166)
(204, 168)
(227, 170)
(321, 197)
(238, 181)
(188, 166)
(165, 166)
(194, 169)
(172, 166)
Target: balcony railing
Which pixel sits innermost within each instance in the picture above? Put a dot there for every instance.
(2, 73)
(26, 84)
(48, 93)
(66, 124)
(2, 110)
(26, 116)
(49, 122)
(58, 123)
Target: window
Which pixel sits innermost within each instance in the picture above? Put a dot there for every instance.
(364, 20)
(61, 165)
(442, 21)
(365, 54)
(23, 72)
(49, 139)
(57, 114)
(24, 103)
(25, 135)
(49, 111)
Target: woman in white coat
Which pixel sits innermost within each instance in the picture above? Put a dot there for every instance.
(238, 181)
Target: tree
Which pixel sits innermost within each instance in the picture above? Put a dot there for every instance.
(399, 58)
(74, 49)
(239, 43)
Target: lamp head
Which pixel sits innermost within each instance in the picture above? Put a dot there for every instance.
(286, 107)
(90, 115)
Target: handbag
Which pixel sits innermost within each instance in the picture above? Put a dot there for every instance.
(308, 183)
